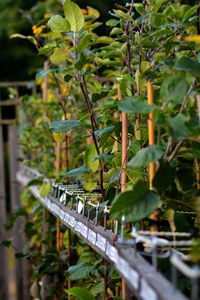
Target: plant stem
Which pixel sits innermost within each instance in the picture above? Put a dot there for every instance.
(141, 32)
(173, 154)
(83, 87)
(128, 46)
(197, 17)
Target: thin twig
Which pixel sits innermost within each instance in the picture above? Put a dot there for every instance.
(141, 32)
(197, 17)
(128, 46)
(83, 87)
(173, 154)
(183, 106)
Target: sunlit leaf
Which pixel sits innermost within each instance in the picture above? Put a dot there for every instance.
(74, 16)
(45, 189)
(58, 24)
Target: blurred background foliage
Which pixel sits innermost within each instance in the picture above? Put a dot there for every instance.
(18, 58)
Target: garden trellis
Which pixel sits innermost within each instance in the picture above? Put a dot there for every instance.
(142, 278)
(12, 154)
(111, 149)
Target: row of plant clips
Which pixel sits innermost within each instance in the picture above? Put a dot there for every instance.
(69, 203)
(114, 138)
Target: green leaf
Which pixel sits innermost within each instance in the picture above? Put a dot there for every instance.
(74, 16)
(21, 36)
(84, 43)
(146, 156)
(112, 22)
(77, 172)
(34, 182)
(90, 153)
(104, 157)
(179, 128)
(103, 40)
(158, 4)
(20, 256)
(80, 293)
(195, 253)
(58, 24)
(107, 130)
(64, 125)
(139, 8)
(97, 96)
(190, 12)
(83, 60)
(48, 47)
(6, 243)
(136, 204)
(67, 78)
(174, 89)
(90, 186)
(123, 15)
(45, 72)
(135, 104)
(98, 288)
(116, 31)
(79, 271)
(187, 64)
(45, 189)
(164, 176)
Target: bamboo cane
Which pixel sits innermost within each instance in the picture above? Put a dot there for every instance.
(116, 150)
(151, 131)
(197, 173)
(45, 224)
(124, 119)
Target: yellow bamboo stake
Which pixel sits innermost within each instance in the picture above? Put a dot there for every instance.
(89, 139)
(196, 164)
(124, 119)
(151, 132)
(151, 129)
(197, 173)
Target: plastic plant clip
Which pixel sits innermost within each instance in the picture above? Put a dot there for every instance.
(97, 213)
(84, 203)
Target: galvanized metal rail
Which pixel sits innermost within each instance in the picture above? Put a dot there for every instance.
(141, 277)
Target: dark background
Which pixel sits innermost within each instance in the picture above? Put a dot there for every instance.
(18, 58)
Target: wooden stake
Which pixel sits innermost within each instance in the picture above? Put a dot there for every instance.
(45, 224)
(89, 138)
(151, 132)
(151, 128)
(3, 250)
(124, 119)
(15, 202)
(197, 173)
(198, 181)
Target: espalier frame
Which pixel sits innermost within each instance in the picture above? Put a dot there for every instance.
(69, 203)
(87, 214)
